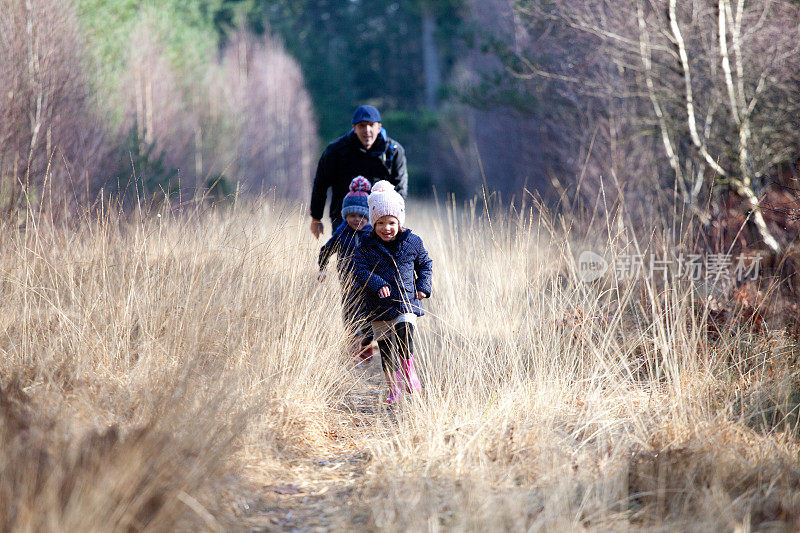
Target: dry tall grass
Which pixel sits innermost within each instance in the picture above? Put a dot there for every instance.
(188, 371)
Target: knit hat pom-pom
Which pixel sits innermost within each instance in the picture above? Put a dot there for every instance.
(360, 184)
(382, 186)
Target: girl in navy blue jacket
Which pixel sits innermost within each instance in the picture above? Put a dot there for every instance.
(393, 267)
(343, 243)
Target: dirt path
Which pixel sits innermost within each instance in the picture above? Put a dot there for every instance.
(318, 493)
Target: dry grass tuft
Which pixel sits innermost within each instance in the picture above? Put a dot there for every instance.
(187, 371)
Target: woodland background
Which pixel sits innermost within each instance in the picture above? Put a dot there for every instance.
(169, 361)
(688, 109)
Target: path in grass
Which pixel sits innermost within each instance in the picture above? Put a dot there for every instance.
(320, 492)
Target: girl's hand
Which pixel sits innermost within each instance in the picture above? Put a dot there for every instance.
(321, 277)
(421, 295)
(383, 292)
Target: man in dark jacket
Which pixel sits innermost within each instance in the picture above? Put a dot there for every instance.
(365, 151)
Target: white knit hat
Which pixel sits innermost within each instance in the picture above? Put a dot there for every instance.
(383, 201)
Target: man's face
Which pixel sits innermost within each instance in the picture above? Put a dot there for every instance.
(367, 132)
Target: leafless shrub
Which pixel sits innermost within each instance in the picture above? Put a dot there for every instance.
(51, 143)
(159, 109)
(246, 119)
(56, 478)
(136, 367)
(710, 85)
(276, 135)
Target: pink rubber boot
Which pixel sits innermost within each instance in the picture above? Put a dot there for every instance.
(364, 352)
(394, 394)
(409, 376)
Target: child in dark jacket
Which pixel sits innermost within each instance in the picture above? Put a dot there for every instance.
(393, 267)
(343, 242)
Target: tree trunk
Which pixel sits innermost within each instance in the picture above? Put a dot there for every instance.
(430, 58)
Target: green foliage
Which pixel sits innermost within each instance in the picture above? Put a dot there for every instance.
(219, 188)
(406, 122)
(107, 27)
(356, 52)
(185, 27)
(350, 52)
(409, 128)
(148, 171)
(230, 14)
(493, 91)
(502, 87)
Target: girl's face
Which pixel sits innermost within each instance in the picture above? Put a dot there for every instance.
(387, 228)
(356, 221)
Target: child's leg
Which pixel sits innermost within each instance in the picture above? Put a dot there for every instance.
(382, 331)
(404, 331)
(359, 327)
(366, 342)
(388, 351)
(360, 337)
(405, 343)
